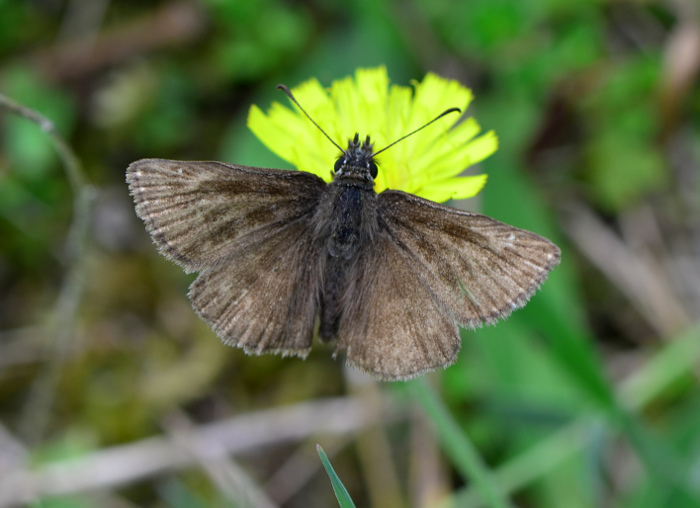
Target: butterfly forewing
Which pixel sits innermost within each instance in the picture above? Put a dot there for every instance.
(247, 231)
(262, 298)
(199, 212)
(479, 268)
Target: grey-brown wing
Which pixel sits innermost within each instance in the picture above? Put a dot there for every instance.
(478, 268)
(263, 297)
(199, 212)
(393, 326)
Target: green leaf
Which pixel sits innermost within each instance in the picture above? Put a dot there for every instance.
(341, 493)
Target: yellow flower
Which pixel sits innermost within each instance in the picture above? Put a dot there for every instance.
(425, 164)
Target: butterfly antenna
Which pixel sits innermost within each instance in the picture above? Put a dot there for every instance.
(289, 94)
(446, 112)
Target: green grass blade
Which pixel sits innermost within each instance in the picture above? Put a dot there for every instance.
(459, 448)
(341, 492)
(675, 360)
(532, 464)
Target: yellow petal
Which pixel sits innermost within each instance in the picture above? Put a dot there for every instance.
(460, 187)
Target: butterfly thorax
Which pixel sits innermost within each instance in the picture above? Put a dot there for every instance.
(346, 218)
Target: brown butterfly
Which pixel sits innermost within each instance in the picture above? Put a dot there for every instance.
(284, 256)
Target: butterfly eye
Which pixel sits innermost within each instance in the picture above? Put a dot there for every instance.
(373, 169)
(339, 164)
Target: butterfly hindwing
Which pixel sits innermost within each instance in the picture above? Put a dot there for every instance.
(479, 268)
(431, 267)
(198, 212)
(262, 298)
(393, 325)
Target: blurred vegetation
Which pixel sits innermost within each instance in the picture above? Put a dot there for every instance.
(587, 397)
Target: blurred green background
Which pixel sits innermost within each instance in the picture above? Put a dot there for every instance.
(110, 384)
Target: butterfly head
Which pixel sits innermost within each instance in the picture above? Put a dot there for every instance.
(357, 162)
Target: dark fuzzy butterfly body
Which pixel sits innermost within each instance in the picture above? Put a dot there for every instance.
(346, 220)
(282, 254)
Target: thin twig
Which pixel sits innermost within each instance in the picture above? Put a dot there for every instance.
(373, 448)
(61, 325)
(70, 161)
(303, 464)
(174, 24)
(642, 283)
(113, 467)
(460, 448)
(229, 477)
(429, 479)
(13, 454)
